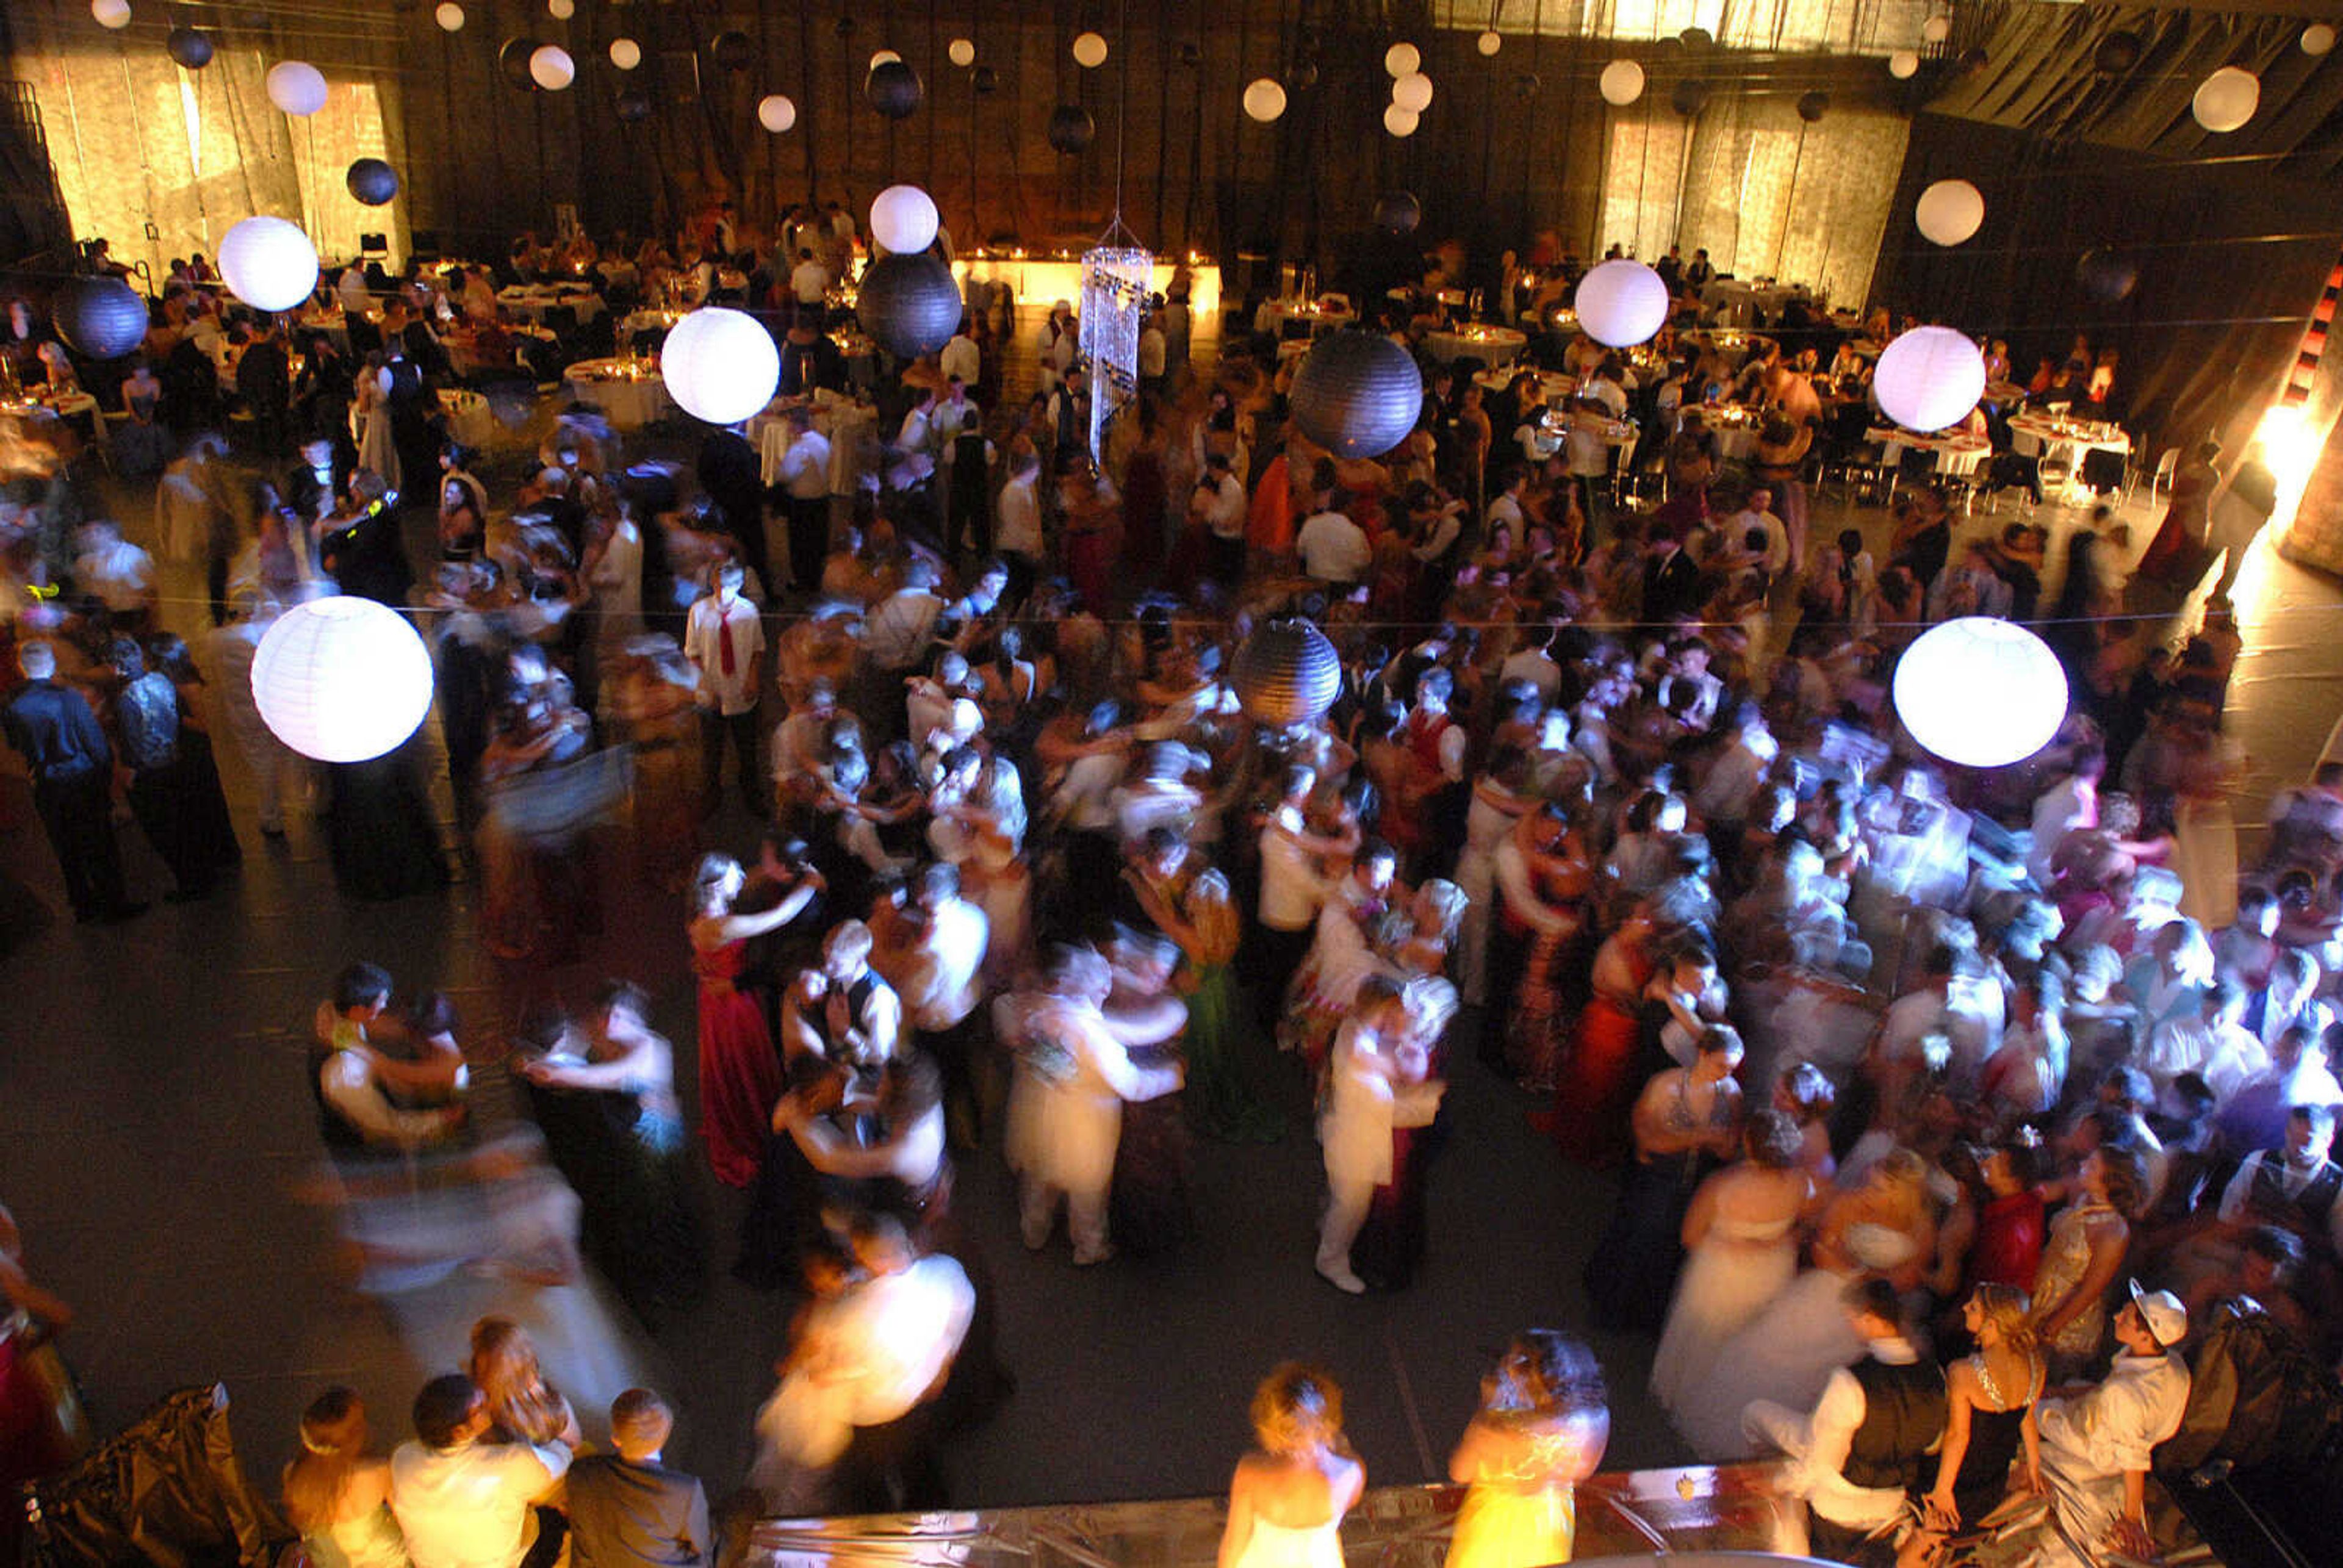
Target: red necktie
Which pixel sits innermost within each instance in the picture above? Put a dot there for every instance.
(724, 640)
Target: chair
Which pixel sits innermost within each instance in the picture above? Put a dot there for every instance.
(1917, 465)
(2104, 470)
(2167, 468)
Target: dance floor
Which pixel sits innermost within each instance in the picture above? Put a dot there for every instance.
(159, 1137)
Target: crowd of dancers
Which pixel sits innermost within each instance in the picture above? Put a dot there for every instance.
(1894, 1060)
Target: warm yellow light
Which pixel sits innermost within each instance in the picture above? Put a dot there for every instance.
(2291, 447)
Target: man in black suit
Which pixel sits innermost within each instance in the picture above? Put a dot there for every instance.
(264, 380)
(627, 1508)
(734, 479)
(1670, 581)
(52, 726)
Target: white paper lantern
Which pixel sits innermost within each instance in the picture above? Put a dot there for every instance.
(1401, 58)
(1090, 51)
(298, 87)
(1929, 378)
(1621, 82)
(342, 679)
(962, 52)
(449, 15)
(1949, 211)
(1412, 92)
(561, 10)
(903, 220)
(1265, 100)
(2226, 99)
(626, 54)
(1489, 43)
(268, 263)
(1936, 29)
(884, 57)
(1401, 122)
(2317, 38)
(114, 15)
(1621, 303)
(776, 112)
(721, 365)
(1904, 65)
(551, 67)
(1980, 691)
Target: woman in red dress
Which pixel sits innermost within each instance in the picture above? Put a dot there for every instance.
(739, 1073)
(1592, 1102)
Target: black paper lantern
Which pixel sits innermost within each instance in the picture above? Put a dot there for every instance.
(909, 304)
(189, 47)
(1357, 394)
(985, 80)
(102, 318)
(512, 64)
(1527, 85)
(1071, 128)
(634, 107)
(372, 182)
(2117, 53)
(894, 89)
(1697, 37)
(1287, 673)
(1972, 59)
(845, 27)
(732, 50)
(1690, 97)
(1303, 77)
(1398, 212)
(2106, 275)
(1191, 53)
(1813, 107)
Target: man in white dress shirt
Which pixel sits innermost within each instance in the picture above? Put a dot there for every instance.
(1017, 535)
(810, 279)
(1332, 548)
(462, 1502)
(724, 638)
(934, 957)
(1869, 1440)
(961, 359)
(2097, 1446)
(1065, 1107)
(805, 481)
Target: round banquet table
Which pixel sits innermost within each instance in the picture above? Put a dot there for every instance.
(847, 424)
(469, 419)
(532, 301)
(1552, 385)
(1735, 431)
(1490, 345)
(629, 391)
(77, 405)
(2055, 439)
(1958, 455)
(1321, 316)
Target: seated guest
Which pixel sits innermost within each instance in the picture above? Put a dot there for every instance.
(336, 1494)
(465, 1502)
(627, 1508)
(2096, 1446)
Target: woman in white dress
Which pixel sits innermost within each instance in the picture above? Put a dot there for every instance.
(336, 1494)
(1495, 811)
(1741, 1241)
(1288, 1497)
(1788, 1351)
(371, 416)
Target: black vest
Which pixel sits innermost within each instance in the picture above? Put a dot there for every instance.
(1903, 1417)
(2306, 1212)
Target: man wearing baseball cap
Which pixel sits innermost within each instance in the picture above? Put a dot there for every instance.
(2095, 1446)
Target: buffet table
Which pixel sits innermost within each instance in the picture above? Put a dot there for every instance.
(1038, 280)
(626, 389)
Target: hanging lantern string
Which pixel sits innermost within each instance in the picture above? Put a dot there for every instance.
(1116, 229)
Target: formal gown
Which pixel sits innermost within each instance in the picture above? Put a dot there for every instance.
(1591, 1105)
(740, 1074)
(1291, 1546)
(1738, 1268)
(1527, 1516)
(1995, 1437)
(372, 1540)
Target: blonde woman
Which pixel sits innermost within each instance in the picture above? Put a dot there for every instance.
(1542, 1427)
(1289, 1495)
(336, 1494)
(526, 1408)
(1989, 1409)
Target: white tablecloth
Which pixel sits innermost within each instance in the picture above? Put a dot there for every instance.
(465, 359)
(1552, 385)
(469, 419)
(1957, 457)
(532, 304)
(631, 402)
(1276, 313)
(848, 426)
(1735, 439)
(1734, 298)
(1490, 345)
(645, 321)
(2055, 440)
